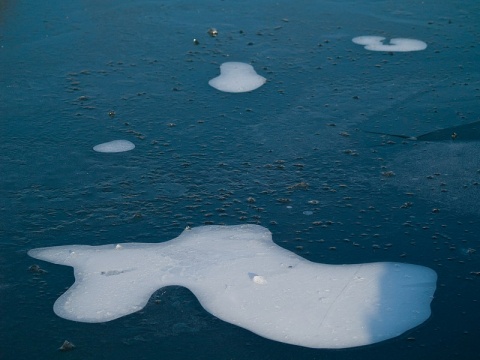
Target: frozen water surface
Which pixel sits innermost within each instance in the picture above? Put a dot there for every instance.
(78, 73)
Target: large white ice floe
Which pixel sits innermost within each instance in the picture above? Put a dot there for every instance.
(241, 276)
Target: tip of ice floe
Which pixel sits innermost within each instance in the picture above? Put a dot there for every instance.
(66, 346)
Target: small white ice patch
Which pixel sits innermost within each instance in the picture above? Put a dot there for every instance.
(237, 77)
(260, 280)
(114, 146)
(376, 43)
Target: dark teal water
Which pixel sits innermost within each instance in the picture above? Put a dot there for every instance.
(65, 65)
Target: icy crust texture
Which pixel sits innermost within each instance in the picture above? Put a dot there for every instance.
(239, 275)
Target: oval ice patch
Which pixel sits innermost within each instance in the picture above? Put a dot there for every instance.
(114, 146)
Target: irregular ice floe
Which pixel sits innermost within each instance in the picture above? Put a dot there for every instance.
(237, 77)
(375, 43)
(239, 275)
(114, 146)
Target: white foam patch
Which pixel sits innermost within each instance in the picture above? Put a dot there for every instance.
(114, 146)
(237, 77)
(375, 43)
(239, 275)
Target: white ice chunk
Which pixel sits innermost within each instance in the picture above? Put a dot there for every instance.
(237, 77)
(241, 276)
(114, 146)
(375, 43)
